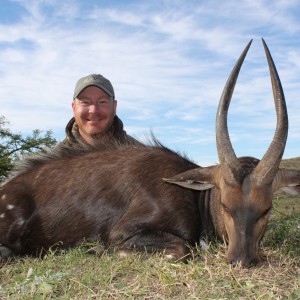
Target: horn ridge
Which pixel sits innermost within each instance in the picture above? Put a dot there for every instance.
(265, 171)
(229, 163)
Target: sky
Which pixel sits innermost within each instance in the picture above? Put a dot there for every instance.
(167, 60)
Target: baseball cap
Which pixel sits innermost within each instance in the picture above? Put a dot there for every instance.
(96, 80)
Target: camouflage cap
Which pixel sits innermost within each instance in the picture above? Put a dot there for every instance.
(96, 80)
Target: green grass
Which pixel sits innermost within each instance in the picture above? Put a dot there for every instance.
(76, 275)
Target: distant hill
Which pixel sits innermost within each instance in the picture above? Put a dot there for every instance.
(291, 163)
(288, 204)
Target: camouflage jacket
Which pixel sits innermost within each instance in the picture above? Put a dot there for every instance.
(118, 134)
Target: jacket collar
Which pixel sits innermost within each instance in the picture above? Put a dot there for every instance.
(73, 136)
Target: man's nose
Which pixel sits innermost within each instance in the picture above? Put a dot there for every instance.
(94, 108)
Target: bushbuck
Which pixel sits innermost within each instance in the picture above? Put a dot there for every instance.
(147, 196)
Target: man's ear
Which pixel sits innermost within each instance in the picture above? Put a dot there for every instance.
(115, 107)
(73, 105)
(196, 179)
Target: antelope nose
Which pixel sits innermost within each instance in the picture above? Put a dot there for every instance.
(244, 261)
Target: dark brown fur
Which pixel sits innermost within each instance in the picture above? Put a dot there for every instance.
(117, 196)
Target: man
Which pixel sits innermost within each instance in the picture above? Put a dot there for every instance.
(94, 108)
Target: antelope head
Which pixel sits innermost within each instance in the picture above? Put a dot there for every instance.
(241, 200)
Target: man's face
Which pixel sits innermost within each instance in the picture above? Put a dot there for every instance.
(94, 112)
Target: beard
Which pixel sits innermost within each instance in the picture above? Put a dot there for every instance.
(103, 136)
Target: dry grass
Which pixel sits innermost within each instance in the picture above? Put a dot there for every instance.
(76, 275)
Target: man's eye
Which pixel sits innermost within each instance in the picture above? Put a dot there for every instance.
(103, 101)
(84, 102)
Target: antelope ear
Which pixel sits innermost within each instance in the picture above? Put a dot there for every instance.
(287, 181)
(199, 179)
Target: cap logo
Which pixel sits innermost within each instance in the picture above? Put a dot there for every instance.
(97, 77)
(94, 78)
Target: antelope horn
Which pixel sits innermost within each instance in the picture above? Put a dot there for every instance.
(229, 163)
(266, 169)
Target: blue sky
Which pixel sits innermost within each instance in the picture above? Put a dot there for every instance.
(168, 62)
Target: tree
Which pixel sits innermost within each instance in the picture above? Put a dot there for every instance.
(13, 146)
